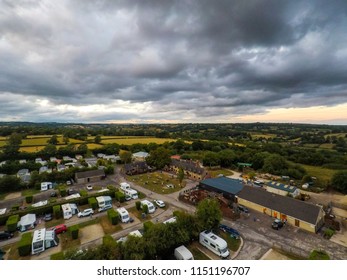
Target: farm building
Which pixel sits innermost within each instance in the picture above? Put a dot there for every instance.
(226, 186)
(296, 212)
(282, 189)
(192, 169)
(137, 167)
(89, 176)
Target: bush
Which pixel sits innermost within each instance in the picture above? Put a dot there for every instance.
(145, 208)
(12, 222)
(138, 205)
(328, 233)
(120, 196)
(24, 245)
(108, 240)
(15, 207)
(318, 255)
(83, 193)
(29, 199)
(57, 212)
(111, 188)
(74, 231)
(62, 191)
(58, 256)
(113, 216)
(92, 202)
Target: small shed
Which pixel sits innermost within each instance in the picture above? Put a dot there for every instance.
(90, 176)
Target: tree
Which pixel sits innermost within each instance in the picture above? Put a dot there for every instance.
(180, 175)
(159, 158)
(53, 140)
(339, 181)
(211, 159)
(97, 139)
(9, 184)
(12, 146)
(209, 214)
(49, 150)
(125, 156)
(274, 164)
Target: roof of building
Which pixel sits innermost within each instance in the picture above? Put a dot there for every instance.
(188, 165)
(90, 173)
(136, 165)
(232, 186)
(286, 205)
(281, 186)
(141, 154)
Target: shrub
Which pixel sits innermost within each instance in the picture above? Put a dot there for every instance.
(57, 212)
(62, 191)
(120, 196)
(74, 231)
(24, 245)
(111, 188)
(29, 199)
(83, 193)
(113, 216)
(328, 233)
(108, 240)
(145, 208)
(138, 205)
(318, 255)
(92, 202)
(12, 222)
(15, 207)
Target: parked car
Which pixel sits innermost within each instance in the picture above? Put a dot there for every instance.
(243, 209)
(85, 213)
(5, 235)
(89, 188)
(53, 194)
(48, 217)
(71, 191)
(233, 232)
(106, 207)
(277, 224)
(159, 203)
(59, 228)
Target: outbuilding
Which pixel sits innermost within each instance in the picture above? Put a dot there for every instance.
(282, 189)
(90, 176)
(227, 186)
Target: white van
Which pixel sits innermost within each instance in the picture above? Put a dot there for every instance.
(182, 253)
(149, 204)
(214, 243)
(124, 215)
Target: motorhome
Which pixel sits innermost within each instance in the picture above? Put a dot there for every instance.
(124, 186)
(182, 253)
(69, 209)
(131, 193)
(214, 243)
(42, 240)
(149, 204)
(124, 214)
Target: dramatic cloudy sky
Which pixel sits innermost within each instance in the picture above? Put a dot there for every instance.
(173, 61)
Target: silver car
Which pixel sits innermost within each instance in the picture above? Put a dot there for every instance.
(85, 213)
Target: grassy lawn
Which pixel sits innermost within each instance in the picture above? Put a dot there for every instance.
(323, 174)
(197, 254)
(138, 214)
(156, 182)
(136, 140)
(29, 192)
(233, 243)
(12, 252)
(215, 172)
(108, 227)
(67, 243)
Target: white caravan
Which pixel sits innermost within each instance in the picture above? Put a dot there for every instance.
(182, 253)
(124, 214)
(69, 209)
(214, 243)
(42, 240)
(149, 204)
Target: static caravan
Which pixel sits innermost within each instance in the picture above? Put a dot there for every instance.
(149, 204)
(171, 220)
(124, 214)
(214, 243)
(46, 186)
(42, 240)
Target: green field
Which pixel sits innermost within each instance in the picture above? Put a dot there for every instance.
(261, 135)
(137, 140)
(337, 135)
(31, 149)
(215, 172)
(326, 146)
(321, 173)
(156, 182)
(92, 146)
(2, 143)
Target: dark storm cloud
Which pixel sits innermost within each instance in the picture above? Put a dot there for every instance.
(157, 60)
